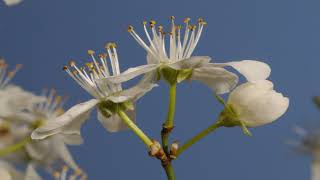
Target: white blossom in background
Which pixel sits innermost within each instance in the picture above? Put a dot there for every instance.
(53, 150)
(48, 153)
(179, 57)
(308, 143)
(257, 103)
(13, 99)
(12, 2)
(94, 79)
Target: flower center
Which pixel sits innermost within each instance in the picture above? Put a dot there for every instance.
(88, 76)
(179, 47)
(5, 76)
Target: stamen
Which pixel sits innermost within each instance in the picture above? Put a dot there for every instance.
(130, 29)
(179, 49)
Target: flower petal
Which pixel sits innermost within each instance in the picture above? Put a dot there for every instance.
(62, 151)
(69, 123)
(12, 2)
(114, 123)
(5, 174)
(9, 172)
(145, 85)
(257, 103)
(31, 173)
(14, 100)
(250, 69)
(248, 91)
(130, 73)
(218, 79)
(190, 63)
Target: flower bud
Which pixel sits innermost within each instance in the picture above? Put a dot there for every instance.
(256, 103)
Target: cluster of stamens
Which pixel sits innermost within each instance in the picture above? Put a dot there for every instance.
(87, 76)
(63, 174)
(5, 75)
(52, 107)
(179, 48)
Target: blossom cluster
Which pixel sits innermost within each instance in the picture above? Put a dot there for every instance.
(169, 57)
(21, 112)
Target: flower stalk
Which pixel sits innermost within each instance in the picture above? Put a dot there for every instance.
(199, 136)
(169, 171)
(15, 147)
(146, 140)
(169, 123)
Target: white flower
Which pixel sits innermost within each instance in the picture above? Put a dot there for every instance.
(46, 153)
(49, 151)
(179, 58)
(308, 142)
(256, 103)
(9, 172)
(13, 99)
(94, 79)
(12, 2)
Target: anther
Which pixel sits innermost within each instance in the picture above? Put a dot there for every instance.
(102, 56)
(160, 28)
(56, 174)
(72, 63)
(91, 52)
(172, 17)
(74, 72)
(130, 29)
(186, 20)
(18, 66)
(89, 65)
(65, 68)
(152, 23)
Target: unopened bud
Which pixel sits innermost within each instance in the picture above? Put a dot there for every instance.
(174, 150)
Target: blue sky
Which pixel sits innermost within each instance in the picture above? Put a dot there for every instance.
(44, 35)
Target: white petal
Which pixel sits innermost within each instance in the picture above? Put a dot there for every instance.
(14, 174)
(190, 63)
(31, 173)
(130, 73)
(145, 85)
(14, 100)
(218, 79)
(69, 123)
(71, 139)
(5, 174)
(257, 103)
(114, 122)
(38, 150)
(61, 149)
(250, 69)
(248, 91)
(12, 2)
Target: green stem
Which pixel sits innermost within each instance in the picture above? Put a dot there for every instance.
(169, 171)
(135, 128)
(15, 147)
(199, 136)
(168, 125)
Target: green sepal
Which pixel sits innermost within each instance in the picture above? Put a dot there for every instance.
(128, 105)
(220, 100)
(37, 123)
(169, 75)
(184, 74)
(108, 108)
(245, 130)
